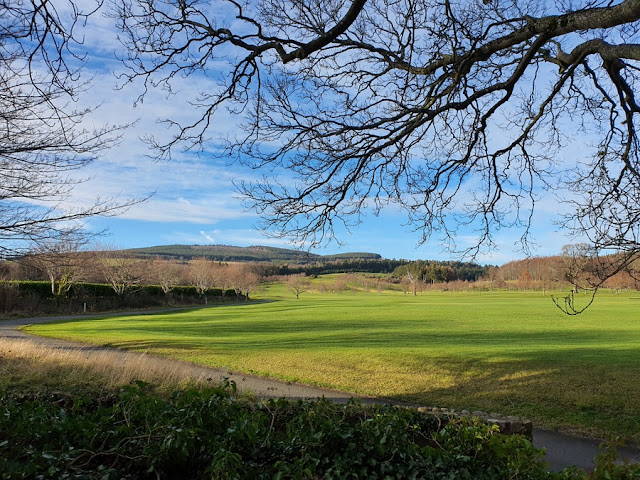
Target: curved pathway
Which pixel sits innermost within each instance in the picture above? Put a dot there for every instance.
(561, 450)
(260, 386)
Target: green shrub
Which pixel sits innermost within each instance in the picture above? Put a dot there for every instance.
(208, 433)
(40, 288)
(95, 290)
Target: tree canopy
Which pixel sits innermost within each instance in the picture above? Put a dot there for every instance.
(43, 137)
(458, 111)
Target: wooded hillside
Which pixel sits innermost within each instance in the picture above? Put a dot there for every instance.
(228, 253)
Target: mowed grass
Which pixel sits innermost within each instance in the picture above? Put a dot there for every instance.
(512, 353)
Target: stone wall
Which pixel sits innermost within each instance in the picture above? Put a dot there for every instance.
(509, 425)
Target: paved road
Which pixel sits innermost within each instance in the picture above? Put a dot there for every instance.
(562, 450)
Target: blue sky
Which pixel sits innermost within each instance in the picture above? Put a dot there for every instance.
(192, 196)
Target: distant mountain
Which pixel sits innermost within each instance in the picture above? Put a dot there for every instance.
(228, 253)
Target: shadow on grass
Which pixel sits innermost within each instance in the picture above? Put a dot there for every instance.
(538, 347)
(573, 385)
(592, 400)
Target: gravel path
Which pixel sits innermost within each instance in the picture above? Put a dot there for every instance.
(562, 450)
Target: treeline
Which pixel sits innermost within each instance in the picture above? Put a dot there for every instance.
(441, 272)
(35, 297)
(359, 265)
(71, 282)
(429, 271)
(573, 268)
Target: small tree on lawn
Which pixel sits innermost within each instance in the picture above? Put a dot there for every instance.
(298, 285)
(406, 284)
(575, 260)
(412, 280)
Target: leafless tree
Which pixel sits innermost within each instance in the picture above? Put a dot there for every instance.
(223, 277)
(121, 272)
(6, 271)
(524, 281)
(166, 274)
(456, 110)
(298, 284)
(406, 284)
(201, 276)
(42, 136)
(576, 263)
(60, 260)
(586, 269)
(583, 269)
(243, 279)
(413, 281)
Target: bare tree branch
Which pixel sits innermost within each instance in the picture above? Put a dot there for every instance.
(460, 112)
(42, 137)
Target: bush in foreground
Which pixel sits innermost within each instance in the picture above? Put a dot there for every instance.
(208, 433)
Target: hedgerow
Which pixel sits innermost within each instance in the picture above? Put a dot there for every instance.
(43, 289)
(209, 433)
(33, 298)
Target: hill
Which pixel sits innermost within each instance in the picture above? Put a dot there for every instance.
(228, 253)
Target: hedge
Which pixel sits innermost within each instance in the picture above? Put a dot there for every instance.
(210, 434)
(103, 290)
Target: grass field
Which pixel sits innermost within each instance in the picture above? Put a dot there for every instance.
(513, 353)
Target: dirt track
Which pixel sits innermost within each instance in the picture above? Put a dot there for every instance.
(562, 450)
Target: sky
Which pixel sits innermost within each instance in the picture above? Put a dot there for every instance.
(191, 198)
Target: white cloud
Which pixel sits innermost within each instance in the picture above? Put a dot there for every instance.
(189, 188)
(243, 237)
(203, 209)
(208, 237)
(246, 237)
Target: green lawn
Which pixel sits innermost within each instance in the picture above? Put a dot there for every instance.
(513, 353)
